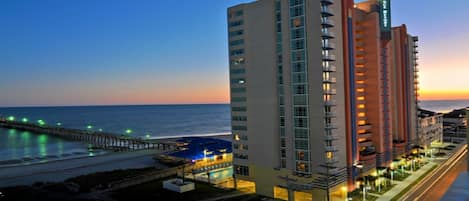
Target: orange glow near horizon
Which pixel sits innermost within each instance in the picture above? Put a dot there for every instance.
(443, 94)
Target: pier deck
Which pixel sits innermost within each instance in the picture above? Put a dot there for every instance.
(102, 140)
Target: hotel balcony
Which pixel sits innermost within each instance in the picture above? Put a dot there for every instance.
(365, 135)
(360, 52)
(364, 127)
(328, 46)
(330, 68)
(330, 114)
(327, 23)
(399, 143)
(330, 148)
(329, 80)
(330, 91)
(327, 2)
(360, 44)
(330, 127)
(360, 60)
(328, 57)
(365, 143)
(327, 12)
(330, 103)
(330, 161)
(328, 34)
(331, 137)
(367, 155)
(360, 69)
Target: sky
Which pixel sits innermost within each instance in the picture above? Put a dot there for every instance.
(89, 52)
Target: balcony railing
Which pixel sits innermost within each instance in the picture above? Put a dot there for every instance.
(328, 46)
(328, 57)
(327, 2)
(330, 103)
(327, 23)
(327, 12)
(328, 34)
(330, 148)
(330, 68)
(330, 91)
(330, 114)
(329, 80)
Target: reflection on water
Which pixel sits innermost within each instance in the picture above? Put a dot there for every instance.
(26, 146)
(42, 142)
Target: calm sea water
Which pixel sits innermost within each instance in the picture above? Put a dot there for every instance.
(444, 105)
(155, 120)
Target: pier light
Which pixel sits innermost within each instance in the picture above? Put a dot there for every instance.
(100, 130)
(59, 124)
(41, 122)
(128, 131)
(11, 118)
(89, 127)
(148, 136)
(24, 120)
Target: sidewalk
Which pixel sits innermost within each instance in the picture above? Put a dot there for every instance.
(401, 185)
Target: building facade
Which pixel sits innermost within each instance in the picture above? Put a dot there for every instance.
(323, 93)
(430, 128)
(287, 98)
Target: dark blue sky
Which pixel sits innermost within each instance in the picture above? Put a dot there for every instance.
(74, 52)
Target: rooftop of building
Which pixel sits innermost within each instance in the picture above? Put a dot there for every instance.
(196, 148)
(458, 113)
(426, 113)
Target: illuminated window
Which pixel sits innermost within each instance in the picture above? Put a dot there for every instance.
(360, 90)
(361, 122)
(360, 82)
(329, 154)
(361, 131)
(361, 106)
(361, 114)
(236, 137)
(361, 98)
(360, 74)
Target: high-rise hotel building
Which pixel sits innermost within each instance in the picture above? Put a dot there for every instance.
(287, 98)
(323, 92)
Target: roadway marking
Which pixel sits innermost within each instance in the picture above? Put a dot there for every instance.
(451, 165)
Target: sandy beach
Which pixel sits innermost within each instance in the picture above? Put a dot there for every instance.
(59, 170)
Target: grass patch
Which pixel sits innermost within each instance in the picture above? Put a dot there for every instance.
(154, 191)
(395, 198)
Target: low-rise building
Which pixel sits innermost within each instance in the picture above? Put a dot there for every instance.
(430, 127)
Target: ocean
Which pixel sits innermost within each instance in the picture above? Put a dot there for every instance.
(157, 121)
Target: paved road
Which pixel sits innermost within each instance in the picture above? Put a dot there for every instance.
(60, 170)
(438, 190)
(435, 187)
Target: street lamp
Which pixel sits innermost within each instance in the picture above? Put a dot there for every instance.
(59, 124)
(41, 122)
(11, 118)
(24, 120)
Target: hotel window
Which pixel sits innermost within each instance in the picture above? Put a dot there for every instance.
(239, 128)
(298, 67)
(300, 89)
(362, 122)
(238, 90)
(238, 99)
(236, 23)
(298, 55)
(238, 109)
(237, 42)
(361, 114)
(295, 2)
(297, 22)
(282, 142)
(239, 118)
(298, 33)
(238, 61)
(300, 111)
(296, 11)
(360, 90)
(301, 122)
(241, 170)
(301, 133)
(361, 106)
(239, 13)
(298, 44)
(238, 81)
(299, 78)
(361, 98)
(299, 100)
(236, 137)
(236, 33)
(238, 71)
(283, 153)
(301, 144)
(237, 52)
(329, 155)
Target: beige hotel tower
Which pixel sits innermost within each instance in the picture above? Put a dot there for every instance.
(287, 97)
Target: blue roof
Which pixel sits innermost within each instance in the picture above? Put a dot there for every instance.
(196, 145)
